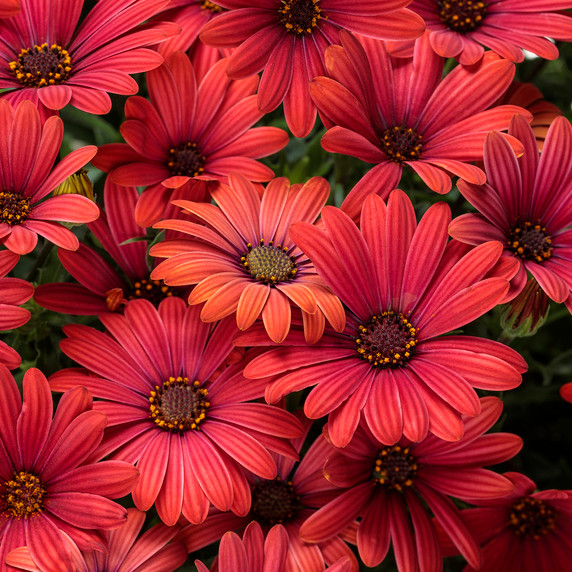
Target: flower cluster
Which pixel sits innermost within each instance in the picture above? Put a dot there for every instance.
(270, 336)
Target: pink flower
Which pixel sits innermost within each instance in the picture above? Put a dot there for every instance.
(188, 132)
(150, 552)
(50, 492)
(13, 293)
(527, 205)
(104, 287)
(28, 150)
(463, 28)
(175, 409)
(400, 112)
(390, 488)
(525, 530)
(287, 39)
(404, 287)
(47, 58)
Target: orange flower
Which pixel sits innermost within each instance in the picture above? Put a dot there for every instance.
(244, 260)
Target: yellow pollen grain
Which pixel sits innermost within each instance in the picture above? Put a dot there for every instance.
(23, 496)
(211, 7)
(14, 208)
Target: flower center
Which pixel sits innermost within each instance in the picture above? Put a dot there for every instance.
(462, 15)
(300, 16)
(211, 6)
(274, 502)
(395, 468)
(530, 241)
(42, 65)
(401, 144)
(268, 263)
(153, 290)
(177, 405)
(531, 517)
(386, 340)
(23, 496)
(14, 208)
(186, 160)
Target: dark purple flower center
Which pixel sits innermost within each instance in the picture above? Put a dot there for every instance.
(274, 502)
(531, 517)
(530, 241)
(41, 66)
(211, 6)
(462, 15)
(300, 16)
(186, 160)
(268, 263)
(178, 405)
(395, 468)
(153, 290)
(14, 208)
(401, 144)
(386, 340)
(22, 496)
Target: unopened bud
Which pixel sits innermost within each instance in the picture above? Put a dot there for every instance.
(76, 184)
(524, 315)
(114, 298)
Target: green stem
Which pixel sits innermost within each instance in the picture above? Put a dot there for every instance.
(505, 338)
(44, 253)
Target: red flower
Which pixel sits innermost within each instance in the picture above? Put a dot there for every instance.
(27, 154)
(257, 552)
(13, 293)
(204, 57)
(527, 205)
(191, 16)
(460, 28)
(525, 530)
(102, 288)
(243, 259)
(288, 500)
(151, 552)
(47, 58)
(9, 8)
(404, 287)
(252, 552)
(398, 111)
(287, 39)
(188, 132)
(174, 408)
(528, 96)
(49, 491)
(390, 487)
(566, 392)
